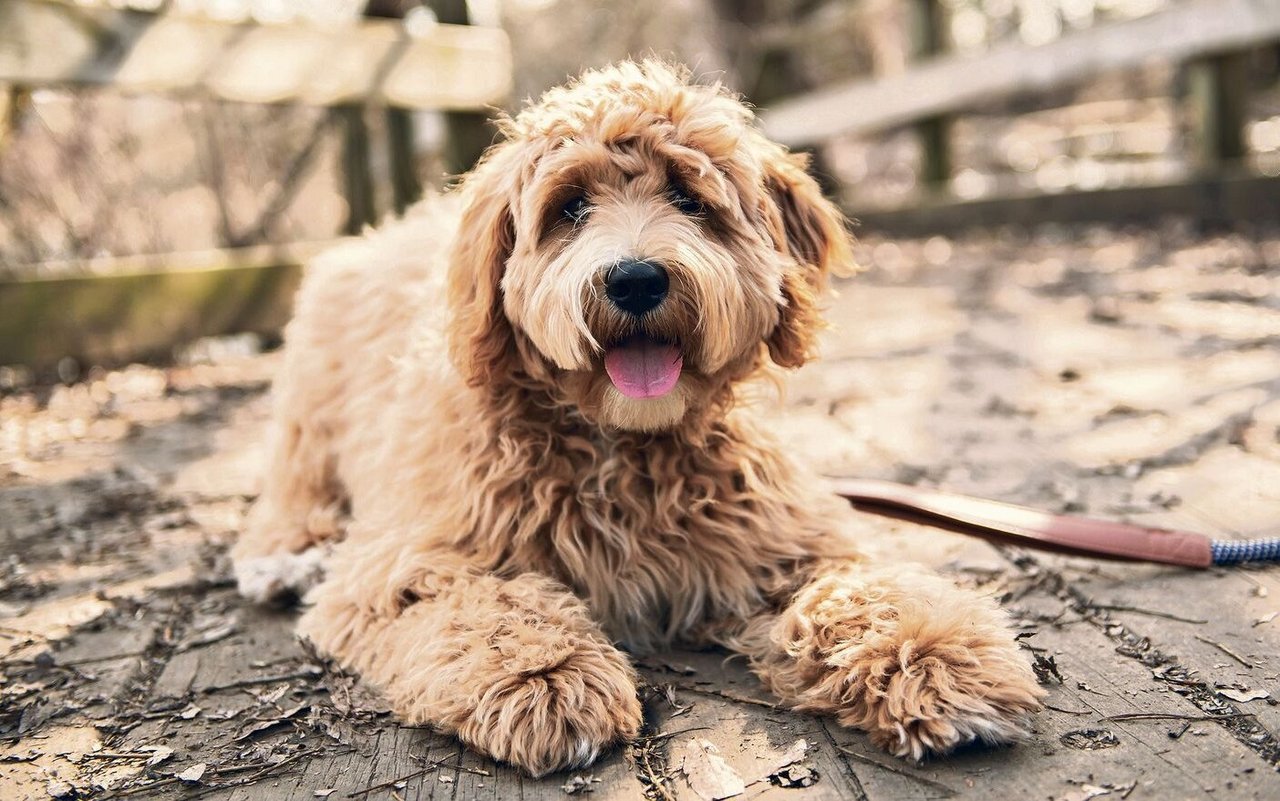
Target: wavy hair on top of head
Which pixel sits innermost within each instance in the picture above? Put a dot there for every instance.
(778, 195)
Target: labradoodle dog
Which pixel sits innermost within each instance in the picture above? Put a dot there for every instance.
(509, 428)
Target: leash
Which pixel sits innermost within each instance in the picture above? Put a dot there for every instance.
(1064, 533)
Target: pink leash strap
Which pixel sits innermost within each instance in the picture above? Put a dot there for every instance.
(1028, 527)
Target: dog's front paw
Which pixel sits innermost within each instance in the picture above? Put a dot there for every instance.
(555, 709)
(280, 575)
(932, 705)
(918, 663)
(920, 688)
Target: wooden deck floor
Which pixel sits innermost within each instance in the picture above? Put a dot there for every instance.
(1132, 376)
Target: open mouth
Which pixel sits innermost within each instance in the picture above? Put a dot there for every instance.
(640, 367)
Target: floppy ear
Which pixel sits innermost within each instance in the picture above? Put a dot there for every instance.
(812, 231)
(481, 340)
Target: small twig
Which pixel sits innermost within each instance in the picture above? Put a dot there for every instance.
(240, 768)
(463, 768)
(141, 788)
(1068, 711)
(259, 665)
(1170, 716)
(664, 735)
(393, 782)
(727, 694)
(161, 713)
(214, 688)
(279, 765)
(268, 770)
(1180, 682)
(895, 769)
(1224, 649)
(1151, 612)
(654, 781)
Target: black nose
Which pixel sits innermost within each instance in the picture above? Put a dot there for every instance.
(636, 286)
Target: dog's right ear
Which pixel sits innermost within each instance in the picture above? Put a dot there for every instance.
(813, 231)
(481, 340)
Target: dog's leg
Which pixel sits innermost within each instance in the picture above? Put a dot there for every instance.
(513, 666)
(918, 663)
(281, 550)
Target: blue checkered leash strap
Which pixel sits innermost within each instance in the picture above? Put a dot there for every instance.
(1234, 552)
(1078, 535)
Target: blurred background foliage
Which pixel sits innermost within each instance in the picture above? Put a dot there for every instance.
(88, 172)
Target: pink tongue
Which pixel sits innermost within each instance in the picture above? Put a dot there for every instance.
(642, 368)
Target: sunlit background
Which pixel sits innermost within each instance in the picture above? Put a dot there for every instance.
(91, 172)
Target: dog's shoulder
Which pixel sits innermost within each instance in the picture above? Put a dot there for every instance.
(387, 272)
(412, 247)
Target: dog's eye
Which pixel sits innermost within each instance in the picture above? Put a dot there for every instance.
(687, 205)
(576, 210)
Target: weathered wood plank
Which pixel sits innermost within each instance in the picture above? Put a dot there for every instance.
(1078, 373)
(1219, 100)
(1223, 199)
(142, 307)
(49, 43)
(955, 83)
(1235, 612)
(718, 701)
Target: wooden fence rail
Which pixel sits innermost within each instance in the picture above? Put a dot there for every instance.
(50, 43)
(141, 307)
(953, 83)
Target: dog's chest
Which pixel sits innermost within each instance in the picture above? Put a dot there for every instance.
(658, 543)
(661, 537)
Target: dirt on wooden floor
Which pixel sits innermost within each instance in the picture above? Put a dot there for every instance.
(1127, 375)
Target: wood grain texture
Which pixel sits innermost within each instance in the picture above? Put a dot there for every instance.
(1121, 375)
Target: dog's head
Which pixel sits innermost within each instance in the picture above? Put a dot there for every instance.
(636, 246)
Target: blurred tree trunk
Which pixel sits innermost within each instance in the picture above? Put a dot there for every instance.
(403, 161)
(405, 187)
(767, 65)
(467, 133)
(1219, 96)
(357, 180)
(928, 39)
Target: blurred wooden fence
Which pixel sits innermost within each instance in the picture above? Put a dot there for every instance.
(133, 307)
(130, 308)
(141, 307)
(1209, 36)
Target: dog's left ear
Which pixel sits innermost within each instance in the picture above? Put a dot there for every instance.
(481, 340)
(813, 233)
